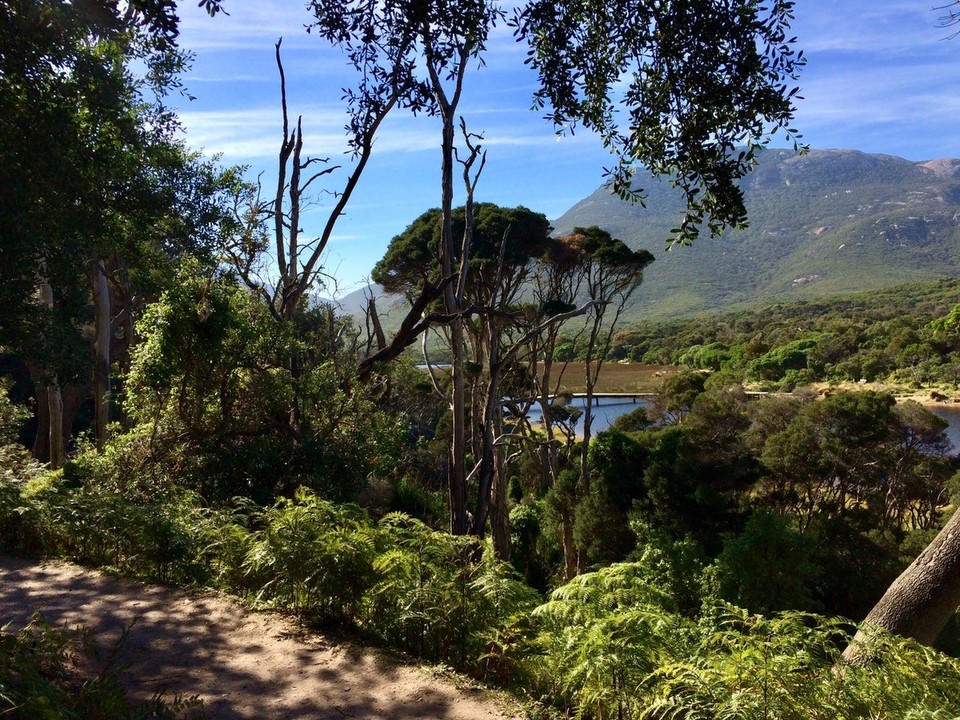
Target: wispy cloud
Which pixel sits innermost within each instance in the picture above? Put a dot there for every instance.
(860, 26)
(880, 78)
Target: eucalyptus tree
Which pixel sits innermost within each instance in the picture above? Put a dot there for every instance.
(708, 77)
(587, 265)
(923, 598)
(503, 245)
(611, 273)
(100, 192)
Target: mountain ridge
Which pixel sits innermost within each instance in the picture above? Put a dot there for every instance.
(822, 223)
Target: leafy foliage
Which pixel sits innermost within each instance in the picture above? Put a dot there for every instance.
(314, 557)
(627, 641)
(441, 596)
(901, 335)
(733, 62)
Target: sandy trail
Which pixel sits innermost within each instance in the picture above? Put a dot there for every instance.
(242, 664)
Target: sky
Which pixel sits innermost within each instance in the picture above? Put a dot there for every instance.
(882, 76)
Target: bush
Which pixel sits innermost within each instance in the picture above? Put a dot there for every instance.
(439, 596)
(314, 557)
(767, 568)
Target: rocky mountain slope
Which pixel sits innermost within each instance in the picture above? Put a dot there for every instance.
(823, 223)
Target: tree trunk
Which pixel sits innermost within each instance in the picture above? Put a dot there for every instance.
(920, 602)
(101, 351)
(569, 548)
(452, 304)
(56, 448)
(56, 445)
(500, 508)
(548, 454)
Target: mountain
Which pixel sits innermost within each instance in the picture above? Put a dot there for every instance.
(822, 223)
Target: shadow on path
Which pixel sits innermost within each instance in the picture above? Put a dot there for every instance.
(242, 664)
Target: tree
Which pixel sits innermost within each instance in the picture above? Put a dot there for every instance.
(503, 244)
(706, 82)
(299, 260)
(588, 263)
(611, 274)
(102, 194)
(709, 76)
(424, 49)
(921, 600)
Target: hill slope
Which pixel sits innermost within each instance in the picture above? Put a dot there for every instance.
(828, 222)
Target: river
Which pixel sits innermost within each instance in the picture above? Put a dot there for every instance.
(950, 413)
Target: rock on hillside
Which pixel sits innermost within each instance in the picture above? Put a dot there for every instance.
(823, 223)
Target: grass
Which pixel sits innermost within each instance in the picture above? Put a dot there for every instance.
(615, 377)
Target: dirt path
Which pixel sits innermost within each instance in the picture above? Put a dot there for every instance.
(242, 664)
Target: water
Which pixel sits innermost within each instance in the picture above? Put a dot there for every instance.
(950, 413)
(606, 409)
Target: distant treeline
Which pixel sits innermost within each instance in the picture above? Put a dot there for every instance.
(908, 334)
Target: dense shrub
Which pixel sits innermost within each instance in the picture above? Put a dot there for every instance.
(440, 596)
(768, 567)
(313, 557)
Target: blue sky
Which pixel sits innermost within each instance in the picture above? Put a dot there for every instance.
(881, 76)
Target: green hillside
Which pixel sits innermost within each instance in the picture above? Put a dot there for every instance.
(821, 224)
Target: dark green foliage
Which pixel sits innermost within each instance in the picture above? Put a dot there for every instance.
(675, 566)
(526, 540)
(111, 182)
(684, 496)
(12, 416)
(617, 463)
(676, 396)
(853, 452)
(768, 567)
(776, 363)
(706, 82)
(413, 256)
(227, 415)
(638, 419)
(857, 564)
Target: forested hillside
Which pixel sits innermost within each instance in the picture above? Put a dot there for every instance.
(905, 335)
(820, 224)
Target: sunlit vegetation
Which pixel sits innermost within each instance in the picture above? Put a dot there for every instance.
(716, 558)
(193, 420)
(904, 336)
